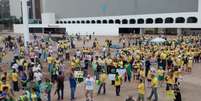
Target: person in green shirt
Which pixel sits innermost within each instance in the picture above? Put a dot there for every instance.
(54, 73)
(48, 89)
(128, 71)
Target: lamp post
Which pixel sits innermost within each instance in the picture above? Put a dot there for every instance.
(25, 22)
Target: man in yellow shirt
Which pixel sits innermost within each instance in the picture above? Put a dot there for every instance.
(103, 78)
(50, 62)
(118, 81)
(154, 86)
(141, 91)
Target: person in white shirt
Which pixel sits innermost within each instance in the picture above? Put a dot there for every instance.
(36, 68)
(78, 54)
(38, 76)
(89, 87)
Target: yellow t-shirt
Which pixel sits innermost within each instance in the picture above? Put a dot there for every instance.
(142, 74)
(170, 80)
(154, 82)
(14, 76)
(160, 72)
(163, 56)
(118, 81)
(49, 60)
(103, 77)
(141, 88)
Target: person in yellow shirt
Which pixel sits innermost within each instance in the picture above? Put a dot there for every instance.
(154, 86)
(141, 90)
(5, 84)
(190, 64)
(103, 78)
(170, 81)
(118, 81)
(50, 62)
(160, 73)
(163, 57)
(15, 80)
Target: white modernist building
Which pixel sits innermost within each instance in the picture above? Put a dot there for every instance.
(188, 21)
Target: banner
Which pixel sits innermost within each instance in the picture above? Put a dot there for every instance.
(111, 76)
(121, 72)
(78, 74)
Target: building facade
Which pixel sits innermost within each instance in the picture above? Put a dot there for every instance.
(111, 17)
(34, 8)
(4, 9)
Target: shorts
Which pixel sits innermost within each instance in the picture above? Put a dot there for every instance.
(89, 92)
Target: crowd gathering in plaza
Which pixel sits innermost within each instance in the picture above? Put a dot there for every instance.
(43, 64)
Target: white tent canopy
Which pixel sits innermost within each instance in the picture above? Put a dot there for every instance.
(158, 40)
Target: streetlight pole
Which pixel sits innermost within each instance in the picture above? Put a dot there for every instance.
(25, 22)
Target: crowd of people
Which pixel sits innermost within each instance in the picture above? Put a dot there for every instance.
(42, 65)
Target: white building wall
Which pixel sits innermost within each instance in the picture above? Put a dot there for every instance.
(48, 18)
(112, 29)
(103, 29)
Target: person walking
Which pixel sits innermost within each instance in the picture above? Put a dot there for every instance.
(60, 86)
(73, 85)
(118, 81)
(48, 89)
(15, 79)
(103, 78)
(89, 87)
(154, 85)
(177, 93)
(141, 90)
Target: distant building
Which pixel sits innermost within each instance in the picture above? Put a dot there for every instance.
(34, 8)
(114, 17)
(4, 9)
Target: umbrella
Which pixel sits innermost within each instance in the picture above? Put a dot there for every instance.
(158, 40)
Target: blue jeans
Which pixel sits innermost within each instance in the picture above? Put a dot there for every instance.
(154, 92)
(49, 67)
(72, 92)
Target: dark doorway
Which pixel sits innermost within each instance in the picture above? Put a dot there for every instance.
(55, 30)
(129, 30)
